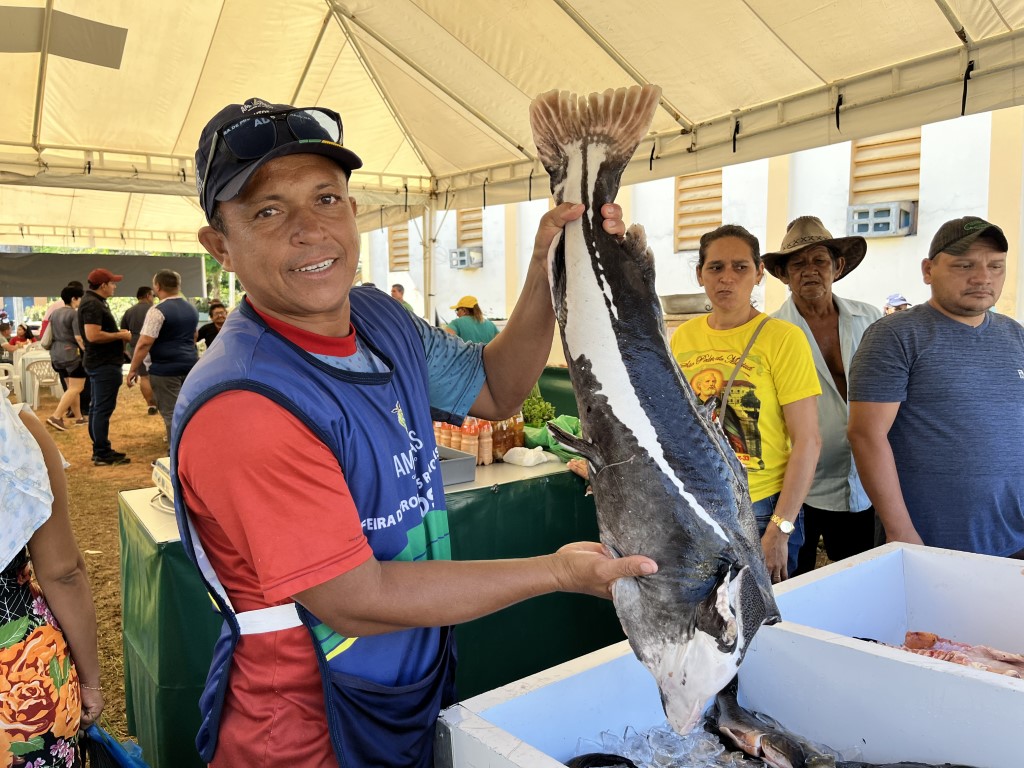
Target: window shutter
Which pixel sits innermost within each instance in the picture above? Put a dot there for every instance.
(470, 227)
(886, 168)
(398, 248)
(698, 207)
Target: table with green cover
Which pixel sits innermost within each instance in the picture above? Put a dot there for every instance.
(169, 626)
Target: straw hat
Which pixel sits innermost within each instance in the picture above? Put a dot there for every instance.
(807, 231)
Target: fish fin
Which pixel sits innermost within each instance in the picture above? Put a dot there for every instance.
(583, 447)
(617, 118)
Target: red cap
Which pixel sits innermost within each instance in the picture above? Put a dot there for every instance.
(100, 276)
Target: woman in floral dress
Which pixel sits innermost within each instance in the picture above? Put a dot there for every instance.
(49, 667)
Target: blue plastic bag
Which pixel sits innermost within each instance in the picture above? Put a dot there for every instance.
(101, 750)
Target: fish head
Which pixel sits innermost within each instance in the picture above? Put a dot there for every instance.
(691, 671)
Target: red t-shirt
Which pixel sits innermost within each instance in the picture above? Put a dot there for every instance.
(275, 516)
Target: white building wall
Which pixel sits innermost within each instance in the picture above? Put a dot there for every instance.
(487, 284)
(954, 182)
(745, 202)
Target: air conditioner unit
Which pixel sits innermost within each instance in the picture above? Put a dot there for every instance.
(897, 219)
(466, 258)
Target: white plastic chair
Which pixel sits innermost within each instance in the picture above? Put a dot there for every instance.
(7, 377)
(41, 374)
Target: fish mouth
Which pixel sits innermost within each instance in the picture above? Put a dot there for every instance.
(320, 266)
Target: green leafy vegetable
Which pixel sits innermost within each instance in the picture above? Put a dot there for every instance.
(537, 410)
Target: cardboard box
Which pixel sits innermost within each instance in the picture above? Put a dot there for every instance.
(807, 672)
(456, 466)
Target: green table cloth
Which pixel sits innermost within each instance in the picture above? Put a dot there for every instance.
(170, 628)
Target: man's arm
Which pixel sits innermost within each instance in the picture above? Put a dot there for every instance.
(97, 335)
(868, 432)
(141, 350)
(378, 597)
(515, 358)
(801, 419)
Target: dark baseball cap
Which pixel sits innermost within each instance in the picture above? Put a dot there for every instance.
(227, 174)
(956, 236)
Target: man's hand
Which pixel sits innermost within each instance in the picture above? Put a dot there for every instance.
(554, 221)
(587, 568)
(125, 334)
(132, 377)
(775, 545)
(905, 533)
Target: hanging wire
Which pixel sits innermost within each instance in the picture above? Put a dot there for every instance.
(967, 76)
(839, 103)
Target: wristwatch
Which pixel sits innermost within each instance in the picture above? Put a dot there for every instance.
(784, 525)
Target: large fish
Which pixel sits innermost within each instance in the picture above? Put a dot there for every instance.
(665, 481)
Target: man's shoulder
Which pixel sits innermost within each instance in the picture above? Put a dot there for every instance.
(860, 308)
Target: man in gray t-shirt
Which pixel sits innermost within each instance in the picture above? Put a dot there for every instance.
(937, 404)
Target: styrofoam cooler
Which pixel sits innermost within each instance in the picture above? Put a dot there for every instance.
(809, 672)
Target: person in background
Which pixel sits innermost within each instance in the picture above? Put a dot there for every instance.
(208, 332)
(103, 359)
(54, 306)
(771, 415)
(810, 260)
(6, 347)
(23, 335)
(132, 320)
(345, 565)
(85, 396)
(896, 302)
(937, 404)
(66, 358)
(471, 325)
(49, 663)
(168, 337)
(398, 294)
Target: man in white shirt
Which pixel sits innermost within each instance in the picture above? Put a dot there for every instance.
(809, 261)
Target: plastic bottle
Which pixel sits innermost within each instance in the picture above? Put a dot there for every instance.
(519, 431)
(446, 435)
(469, 440)
(437, 432)
(456, 438)
(499, 438)
(485, 444)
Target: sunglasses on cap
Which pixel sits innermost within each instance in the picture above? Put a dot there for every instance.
(253, 136)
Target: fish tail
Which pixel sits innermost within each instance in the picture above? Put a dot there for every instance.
(616, 118)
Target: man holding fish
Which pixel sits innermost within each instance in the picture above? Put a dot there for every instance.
(324, 541)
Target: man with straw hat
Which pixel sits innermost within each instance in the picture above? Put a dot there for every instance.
(809, 261)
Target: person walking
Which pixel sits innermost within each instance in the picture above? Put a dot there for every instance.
(66, 358)
(168, 337)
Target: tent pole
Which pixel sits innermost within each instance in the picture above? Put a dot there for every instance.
(428, 261)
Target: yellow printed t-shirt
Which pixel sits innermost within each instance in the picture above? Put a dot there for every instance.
(778, 370)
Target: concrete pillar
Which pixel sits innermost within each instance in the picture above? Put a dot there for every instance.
(776, 292)
(1005, 191)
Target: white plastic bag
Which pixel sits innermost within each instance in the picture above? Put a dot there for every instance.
(528, 457)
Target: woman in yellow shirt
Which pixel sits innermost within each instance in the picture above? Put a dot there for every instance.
(771, 418)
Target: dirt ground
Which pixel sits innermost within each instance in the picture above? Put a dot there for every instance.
(93, 503)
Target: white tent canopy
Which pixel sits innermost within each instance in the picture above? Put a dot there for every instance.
(104, 102)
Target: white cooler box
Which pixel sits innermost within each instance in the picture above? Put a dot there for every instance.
(807, 672)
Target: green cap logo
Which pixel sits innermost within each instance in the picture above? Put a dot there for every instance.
(973, 226)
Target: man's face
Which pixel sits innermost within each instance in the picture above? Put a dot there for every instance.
(965, 287)
(291, 237)
(106, 290)
(810, 273)
(396, 294)
(218, 315)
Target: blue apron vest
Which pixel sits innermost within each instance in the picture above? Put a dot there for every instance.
(378, 427)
